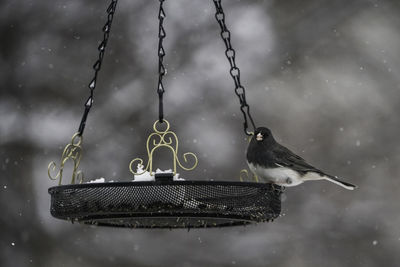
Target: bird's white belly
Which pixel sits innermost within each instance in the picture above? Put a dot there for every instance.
(279, 175)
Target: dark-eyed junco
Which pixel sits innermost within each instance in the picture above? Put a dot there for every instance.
(274, 163)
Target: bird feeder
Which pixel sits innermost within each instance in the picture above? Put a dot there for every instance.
(164, 201)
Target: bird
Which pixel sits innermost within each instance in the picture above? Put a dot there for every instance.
(274, 163)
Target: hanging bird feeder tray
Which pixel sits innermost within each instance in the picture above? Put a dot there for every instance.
(166, 204)
(165, 201)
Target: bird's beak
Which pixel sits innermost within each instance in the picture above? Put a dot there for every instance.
(259, 137)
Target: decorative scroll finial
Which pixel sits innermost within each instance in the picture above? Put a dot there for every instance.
(162, 138)
(73, 152)
(245, 176)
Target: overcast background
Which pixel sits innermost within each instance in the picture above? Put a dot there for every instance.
(323, 75)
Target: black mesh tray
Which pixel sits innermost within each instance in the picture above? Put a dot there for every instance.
(166, 204)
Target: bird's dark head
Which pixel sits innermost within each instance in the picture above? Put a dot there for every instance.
(263, 134)
(260, 146)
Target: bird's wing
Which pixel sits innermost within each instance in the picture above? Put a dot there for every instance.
(287, 158)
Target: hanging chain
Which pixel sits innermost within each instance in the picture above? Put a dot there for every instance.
(97, 65)
(161, 67)
(234, 71)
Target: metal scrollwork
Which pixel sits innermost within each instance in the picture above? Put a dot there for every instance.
(156, 140)
(245, 176)
(73, 152)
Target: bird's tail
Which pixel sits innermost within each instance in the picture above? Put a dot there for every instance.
(335, 180)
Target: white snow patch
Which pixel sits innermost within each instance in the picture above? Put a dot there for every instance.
(100, 180)
(146, 176)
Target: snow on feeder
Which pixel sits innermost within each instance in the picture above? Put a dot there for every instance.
(161, 199)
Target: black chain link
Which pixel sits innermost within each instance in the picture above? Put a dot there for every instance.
(161, 68)
(97, 65)
(234, 71)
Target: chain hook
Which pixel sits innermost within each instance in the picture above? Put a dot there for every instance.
(234, 71)
(161, 68)
(97, 65)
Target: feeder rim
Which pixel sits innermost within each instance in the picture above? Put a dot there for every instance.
(236, 220)
(150, 183)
